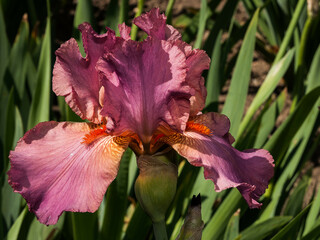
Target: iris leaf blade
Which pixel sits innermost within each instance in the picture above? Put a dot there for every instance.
(292, 227)
(262, 230)
(4, 47)
(117, 201)
(216, 226)
(234, 105)
(40, 106)
(268, 86)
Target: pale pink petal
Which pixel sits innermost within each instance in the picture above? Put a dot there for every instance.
(249, 171)
(145, 85)
(124, 31)
(76, 78)
(154, 24)
(55, 171)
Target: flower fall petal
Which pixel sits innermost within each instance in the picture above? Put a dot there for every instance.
(56, 170)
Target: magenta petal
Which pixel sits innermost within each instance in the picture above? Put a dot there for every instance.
(55, 172)
(197, 62)
(75, 77)
(145, 85)
(124, 31)
(154, 24)
(249, 171)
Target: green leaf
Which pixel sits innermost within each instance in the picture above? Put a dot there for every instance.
(202, 23)
(284, 134)
(213, 82)
(269, 118)
(179, 206)
(295, 201)
(268, 86)
(15, 229)
(283, 137)
(232, 230)
(292, 227)
(117, 201)
(4, 47)
(313, 214)
(314, 233)
(112, 15)
(234, 105)
(288, 34)
(208, 196)
(40, 106)
(169, 11)
(9, 129)
(218, 223)
(39, 231)
(124, 10)
(10, 201)
(263, 229)
(84, 225)
(17, 57)
(134, 28)
(139, 225)
(83, 13)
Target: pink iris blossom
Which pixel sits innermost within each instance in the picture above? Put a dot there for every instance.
(143, 95)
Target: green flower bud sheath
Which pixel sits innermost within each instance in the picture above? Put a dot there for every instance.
(155, 189)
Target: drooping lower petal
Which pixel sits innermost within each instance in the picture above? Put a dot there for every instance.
(56, 168)
(76, 78)
(249, 171)
(144, 85)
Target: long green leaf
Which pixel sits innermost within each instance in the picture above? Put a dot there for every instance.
(40, 106)
(269, 119)
(266, 89)
(292, 227)
(84, 225)
(288, 35)
(234, 105)
(232, 230)
(263, 229)
(218, 223)
(116, 201)
(284, 134)
(214, 76)
(202, 24)
(83, 13)
(15, 229)
(283, 137)
(17, 57)
(4, 47)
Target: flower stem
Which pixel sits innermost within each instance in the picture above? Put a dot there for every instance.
(159, 229)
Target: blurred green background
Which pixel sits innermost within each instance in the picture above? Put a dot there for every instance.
(264, 75)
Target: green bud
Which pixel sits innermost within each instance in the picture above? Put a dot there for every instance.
(156, 185)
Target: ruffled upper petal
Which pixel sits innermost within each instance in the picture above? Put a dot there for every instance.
(154, 24)
(55, 170)
(197, 61)
(249, 171)
(76, 78)
(144, 84)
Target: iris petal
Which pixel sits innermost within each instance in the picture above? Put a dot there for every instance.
(145, 85)
(76, 78)
(249, 171)
(55, 170)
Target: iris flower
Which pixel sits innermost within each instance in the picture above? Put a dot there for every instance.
(144, 95)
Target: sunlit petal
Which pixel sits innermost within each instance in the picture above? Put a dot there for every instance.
(55, 168)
